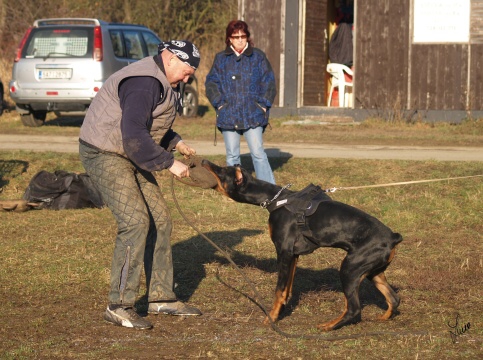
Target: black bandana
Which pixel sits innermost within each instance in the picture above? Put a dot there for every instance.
(186, 51)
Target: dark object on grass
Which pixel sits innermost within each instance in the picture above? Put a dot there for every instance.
(62, 190)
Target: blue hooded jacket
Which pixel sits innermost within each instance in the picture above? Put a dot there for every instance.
(240, 88)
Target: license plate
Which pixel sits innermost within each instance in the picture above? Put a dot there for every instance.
(55, 74)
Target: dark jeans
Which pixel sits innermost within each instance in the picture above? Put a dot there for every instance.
(144, 226)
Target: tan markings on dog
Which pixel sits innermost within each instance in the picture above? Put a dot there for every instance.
(391, 255)
(239, 176)
(381, 283)
(281, 296)
(277, 306)
(293, 266)
(221, 186)
(330, 325)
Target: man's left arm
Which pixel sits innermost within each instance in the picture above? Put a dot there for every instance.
(138, 98)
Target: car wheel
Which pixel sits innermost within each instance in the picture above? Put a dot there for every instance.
(34, 119)
(190, 101)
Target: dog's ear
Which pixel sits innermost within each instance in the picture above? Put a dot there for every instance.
(238, 176)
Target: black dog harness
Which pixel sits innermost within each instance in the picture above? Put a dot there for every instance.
(302, 204)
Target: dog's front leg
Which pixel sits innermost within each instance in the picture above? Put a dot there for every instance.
(287, 264)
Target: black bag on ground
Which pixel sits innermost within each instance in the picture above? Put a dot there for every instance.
(62, 190)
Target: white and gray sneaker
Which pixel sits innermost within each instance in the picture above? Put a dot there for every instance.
(126, 317)
(173, 308)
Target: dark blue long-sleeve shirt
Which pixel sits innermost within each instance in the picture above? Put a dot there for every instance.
(138, 98)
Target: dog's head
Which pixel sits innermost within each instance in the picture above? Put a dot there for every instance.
(232, 181)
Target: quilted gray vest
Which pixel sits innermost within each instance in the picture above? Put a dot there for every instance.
(102, 123)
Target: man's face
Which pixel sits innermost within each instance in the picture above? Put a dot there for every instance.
(177, 71)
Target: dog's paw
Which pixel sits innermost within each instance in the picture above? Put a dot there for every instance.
(325, 327)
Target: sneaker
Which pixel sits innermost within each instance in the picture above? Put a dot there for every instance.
(127, 318)
(173, 308)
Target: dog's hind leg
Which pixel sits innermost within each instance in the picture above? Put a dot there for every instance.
(351, 275)
(284, 287)
(392, 298)
(379, 280)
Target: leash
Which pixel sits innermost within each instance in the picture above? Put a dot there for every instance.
(257, 296)
(334, 189)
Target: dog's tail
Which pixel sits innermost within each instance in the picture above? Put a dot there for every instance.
(396, 238)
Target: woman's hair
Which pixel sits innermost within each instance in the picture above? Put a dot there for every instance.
(234, 26)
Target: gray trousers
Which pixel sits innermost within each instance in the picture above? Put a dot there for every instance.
(143, 227)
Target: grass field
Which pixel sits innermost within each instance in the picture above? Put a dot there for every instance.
(55, 265)
(370, 132)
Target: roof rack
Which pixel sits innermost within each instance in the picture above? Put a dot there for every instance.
(64, 21)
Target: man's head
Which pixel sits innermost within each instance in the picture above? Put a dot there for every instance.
(180, 58)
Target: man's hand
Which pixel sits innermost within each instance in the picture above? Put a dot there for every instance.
(179, 169)
(184, 149)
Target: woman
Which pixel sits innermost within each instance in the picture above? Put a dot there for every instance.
(241, 87)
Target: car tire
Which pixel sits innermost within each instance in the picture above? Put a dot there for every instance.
(34, 119)
(190, 101)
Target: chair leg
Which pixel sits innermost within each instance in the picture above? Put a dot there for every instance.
(349, 97)
(329, 103)
(341, 96)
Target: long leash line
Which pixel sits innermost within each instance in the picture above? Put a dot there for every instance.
(257, 296)
(334, 189)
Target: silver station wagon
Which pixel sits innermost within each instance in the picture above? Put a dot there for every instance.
(62, 63)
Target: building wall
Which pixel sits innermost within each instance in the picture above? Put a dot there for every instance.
(390, 71)
(381, 53)
(264, 22)
(315, 53)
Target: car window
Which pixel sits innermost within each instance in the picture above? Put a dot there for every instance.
(133, 43)
(117, 43)
(58, 42)
(152, 43)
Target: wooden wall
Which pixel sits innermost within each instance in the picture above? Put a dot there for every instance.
(265, 30)
(315, 53)
(476, 56)
(381, 53)
(439, 76)
(390, 72)
(393, 73)
(476, 77)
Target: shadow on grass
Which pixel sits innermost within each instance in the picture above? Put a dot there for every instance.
(65, 120)
(276, 158)
(76, 120)
(13, 168)
(191, 256)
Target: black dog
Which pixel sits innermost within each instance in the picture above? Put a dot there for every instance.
(370, 245)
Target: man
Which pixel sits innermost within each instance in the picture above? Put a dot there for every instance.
(126, 135)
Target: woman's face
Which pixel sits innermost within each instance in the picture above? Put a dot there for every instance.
(238, 40)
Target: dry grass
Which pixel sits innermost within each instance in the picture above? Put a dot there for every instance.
(55, 270)
(370, 132)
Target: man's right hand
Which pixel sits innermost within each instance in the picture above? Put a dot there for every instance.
(179, 169)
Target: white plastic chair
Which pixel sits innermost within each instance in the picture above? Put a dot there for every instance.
(338, 80)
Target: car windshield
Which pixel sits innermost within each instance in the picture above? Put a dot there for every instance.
(58, 42)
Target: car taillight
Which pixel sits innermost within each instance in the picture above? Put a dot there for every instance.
(97, 54)
(18, 54)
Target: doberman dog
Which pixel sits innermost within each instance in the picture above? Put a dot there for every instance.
(370, 245)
